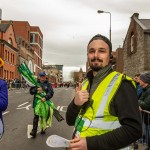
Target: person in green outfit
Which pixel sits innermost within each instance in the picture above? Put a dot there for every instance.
(47, 88)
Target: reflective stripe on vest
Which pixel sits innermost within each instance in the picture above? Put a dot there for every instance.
(99, 123)
(101, 108)
(98, 120)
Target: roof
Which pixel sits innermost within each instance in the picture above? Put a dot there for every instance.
(145, 22)
(4, 27)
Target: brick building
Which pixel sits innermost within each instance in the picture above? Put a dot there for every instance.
(8, 52)
(30, 44)
(79, 76)
(54, 73)
(119, 60)
(36, 41)
(136, 47)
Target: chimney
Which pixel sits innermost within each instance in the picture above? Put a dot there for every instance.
(0, 15)
(135, 15)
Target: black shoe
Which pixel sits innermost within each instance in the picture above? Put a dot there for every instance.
(33, 134)
(42, 131)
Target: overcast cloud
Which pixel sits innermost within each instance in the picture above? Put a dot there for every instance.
(68, 25)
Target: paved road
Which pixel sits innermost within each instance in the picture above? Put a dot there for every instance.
(19, 115)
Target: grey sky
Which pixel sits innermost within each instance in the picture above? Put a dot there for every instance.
(68, 25)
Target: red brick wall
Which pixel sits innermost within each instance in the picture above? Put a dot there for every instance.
(9, 70)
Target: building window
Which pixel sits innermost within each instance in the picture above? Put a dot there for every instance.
(32, 38)
(10, 41)
(23, 43)
(12, 75)
(132, 43)
(4, 74)
(8, 56)
(7, 74)
(5, 54)
(11, 58)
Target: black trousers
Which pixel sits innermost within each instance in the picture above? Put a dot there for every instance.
(35, 123)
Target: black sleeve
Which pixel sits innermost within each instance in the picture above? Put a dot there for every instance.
(71, 114)
(33, 90)
(144, 100)
(126, 108)
(50, 92)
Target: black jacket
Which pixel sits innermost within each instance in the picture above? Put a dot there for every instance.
(144, 103)
(46, 86)
(124, 106)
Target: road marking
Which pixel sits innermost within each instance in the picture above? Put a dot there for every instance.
(60, 108)
(22, 104)
(27, 107)
(6, 112)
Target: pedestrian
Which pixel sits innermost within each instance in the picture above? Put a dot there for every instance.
(47, 88)
(144, 103)
(3, 100)
(139, 89)
(104, 111)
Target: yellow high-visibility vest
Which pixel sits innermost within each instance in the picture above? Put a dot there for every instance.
(97, 119)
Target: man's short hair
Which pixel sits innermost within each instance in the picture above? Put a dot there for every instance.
(145, 77)
(103, 38)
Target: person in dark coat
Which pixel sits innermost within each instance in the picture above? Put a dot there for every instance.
(45, 86)
(139, 89)
(144, 104)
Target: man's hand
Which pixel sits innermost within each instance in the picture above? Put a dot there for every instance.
(39, 89)
(43, 99)
(81, 96)
(140, 108)
(78, 144)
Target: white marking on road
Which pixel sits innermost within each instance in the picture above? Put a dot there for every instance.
(22, 104)
(27, 107)
(61, 108)
(58, 107)
(6, 112)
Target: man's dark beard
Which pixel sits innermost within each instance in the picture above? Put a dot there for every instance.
(96, 68)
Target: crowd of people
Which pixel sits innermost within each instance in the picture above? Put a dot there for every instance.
(16, 83)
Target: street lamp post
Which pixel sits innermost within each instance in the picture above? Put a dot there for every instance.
(101, 11)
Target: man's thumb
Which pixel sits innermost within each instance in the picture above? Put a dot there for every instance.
(79, 88)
